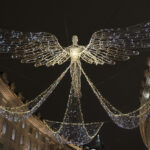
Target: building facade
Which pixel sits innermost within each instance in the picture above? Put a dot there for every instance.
(145, 125)
(28, 135)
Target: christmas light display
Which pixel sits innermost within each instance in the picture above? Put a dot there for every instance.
(106, 46)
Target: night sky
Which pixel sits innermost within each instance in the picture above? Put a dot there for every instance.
(120, 84)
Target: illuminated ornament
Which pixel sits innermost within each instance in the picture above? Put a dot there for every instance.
(106, 46)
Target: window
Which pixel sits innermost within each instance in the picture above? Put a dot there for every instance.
(29, 145)
(52, 146)
(23, 125)
(36, 134)
(30, 130)
(21, 140)
(13, 134)
(4, 128)
(43, 139)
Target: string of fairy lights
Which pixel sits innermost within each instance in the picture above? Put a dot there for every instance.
(105, 47)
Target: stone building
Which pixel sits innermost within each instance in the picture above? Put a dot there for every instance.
(28, 135)
(145, 126)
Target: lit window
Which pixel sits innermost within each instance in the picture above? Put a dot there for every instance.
(21, 140)
(29, 145)
(13, 134)
(23, 125)
(4, 128)
(36, 134)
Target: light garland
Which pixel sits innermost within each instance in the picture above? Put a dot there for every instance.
(129, 120)
(106, 46)
(20, 113)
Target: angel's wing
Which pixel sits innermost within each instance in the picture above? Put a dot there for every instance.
(40, 48)
(111, 45)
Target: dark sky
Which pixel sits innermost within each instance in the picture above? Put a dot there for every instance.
(120, 84)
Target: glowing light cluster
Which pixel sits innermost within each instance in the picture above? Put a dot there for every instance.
(75, 54)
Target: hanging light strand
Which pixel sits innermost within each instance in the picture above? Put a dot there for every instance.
(22, 112)
(124, 120)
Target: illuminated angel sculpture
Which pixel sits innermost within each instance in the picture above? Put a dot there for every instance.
(106, 46)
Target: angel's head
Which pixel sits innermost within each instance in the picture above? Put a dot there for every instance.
(75, 40)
